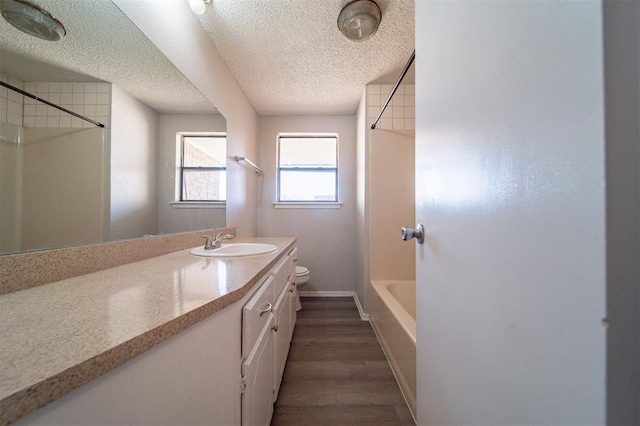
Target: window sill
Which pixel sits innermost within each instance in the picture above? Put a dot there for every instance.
(307, 205)
(198, 204)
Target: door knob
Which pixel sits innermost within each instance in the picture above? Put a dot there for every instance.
(409, 233)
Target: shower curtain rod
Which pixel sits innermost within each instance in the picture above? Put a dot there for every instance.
(44, 101)
(393, 91)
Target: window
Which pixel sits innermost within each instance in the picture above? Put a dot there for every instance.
(202, 167)
(308, 168)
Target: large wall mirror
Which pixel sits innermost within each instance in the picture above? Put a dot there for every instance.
(65, 181)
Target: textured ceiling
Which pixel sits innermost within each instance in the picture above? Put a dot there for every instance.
(287, 55)
(290, 58)
(101, 44)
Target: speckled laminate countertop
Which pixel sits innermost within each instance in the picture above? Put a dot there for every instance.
(57, 337)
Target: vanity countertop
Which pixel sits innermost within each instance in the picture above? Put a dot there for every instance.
(57, 337)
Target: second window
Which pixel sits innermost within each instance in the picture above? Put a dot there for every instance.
(308, 168)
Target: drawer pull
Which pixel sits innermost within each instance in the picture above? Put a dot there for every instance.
(267, 309)
(275, 327)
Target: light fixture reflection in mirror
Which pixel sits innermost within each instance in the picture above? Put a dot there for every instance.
(143, 101)
(199, 6)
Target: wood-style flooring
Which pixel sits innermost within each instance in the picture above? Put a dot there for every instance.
(336, 373)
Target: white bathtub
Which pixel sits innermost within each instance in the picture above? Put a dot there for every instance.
(393, 317)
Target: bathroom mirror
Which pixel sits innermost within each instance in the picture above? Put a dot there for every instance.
(65, 181)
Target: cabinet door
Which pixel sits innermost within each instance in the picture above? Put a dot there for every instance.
(293, 305)
(282, 316)
(257, 373)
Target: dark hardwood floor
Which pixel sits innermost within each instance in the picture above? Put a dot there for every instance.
(336, 373)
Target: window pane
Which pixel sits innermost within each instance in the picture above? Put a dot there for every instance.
(202, 151)
(299, 185)
(209, 185)
(309, 152)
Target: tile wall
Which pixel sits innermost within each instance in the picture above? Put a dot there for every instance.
(11, 102)
(92, 100)
(401, 111)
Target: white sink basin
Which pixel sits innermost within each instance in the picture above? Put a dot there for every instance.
(235, 250)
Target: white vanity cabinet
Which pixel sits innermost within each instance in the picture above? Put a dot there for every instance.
(267, 329)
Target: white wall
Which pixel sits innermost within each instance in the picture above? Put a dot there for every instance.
(362, 212)
(511, 188)
(326, 237)
(191, 50)
(134, 167)
(622, 97)
(170, 218)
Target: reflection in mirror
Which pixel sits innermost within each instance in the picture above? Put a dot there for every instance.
(64, 181)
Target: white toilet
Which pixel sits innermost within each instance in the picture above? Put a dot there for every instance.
(302, 277)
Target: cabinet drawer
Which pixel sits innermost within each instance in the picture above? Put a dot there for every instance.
(293, 256)
(281, 273)
(256, 313)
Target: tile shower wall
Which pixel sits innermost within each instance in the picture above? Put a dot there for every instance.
(92, 100)
(401, 111)
(89, 99)
(11, 102)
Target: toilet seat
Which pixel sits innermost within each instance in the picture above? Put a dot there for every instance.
(302, 277)
(301, 271)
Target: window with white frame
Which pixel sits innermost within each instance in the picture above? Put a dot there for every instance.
(308, 168)
(202, 174)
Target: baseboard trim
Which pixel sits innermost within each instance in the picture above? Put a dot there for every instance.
(325, 293)
(363, 316)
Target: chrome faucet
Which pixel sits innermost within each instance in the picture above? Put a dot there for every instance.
(216, 242)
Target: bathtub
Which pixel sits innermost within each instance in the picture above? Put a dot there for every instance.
(393, 317)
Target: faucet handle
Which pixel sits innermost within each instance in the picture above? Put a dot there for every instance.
(221, 236)
(208, 245)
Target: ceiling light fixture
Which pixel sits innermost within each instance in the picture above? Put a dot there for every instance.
(31, 19)
(199, 6)
(359, 19)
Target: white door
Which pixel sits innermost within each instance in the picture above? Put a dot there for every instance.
(509, 185)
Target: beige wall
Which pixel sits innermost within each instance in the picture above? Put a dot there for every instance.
(326, 237)
(172, 219)
(204, 67)
(63, 174)
(392, 204)
(134, 167)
